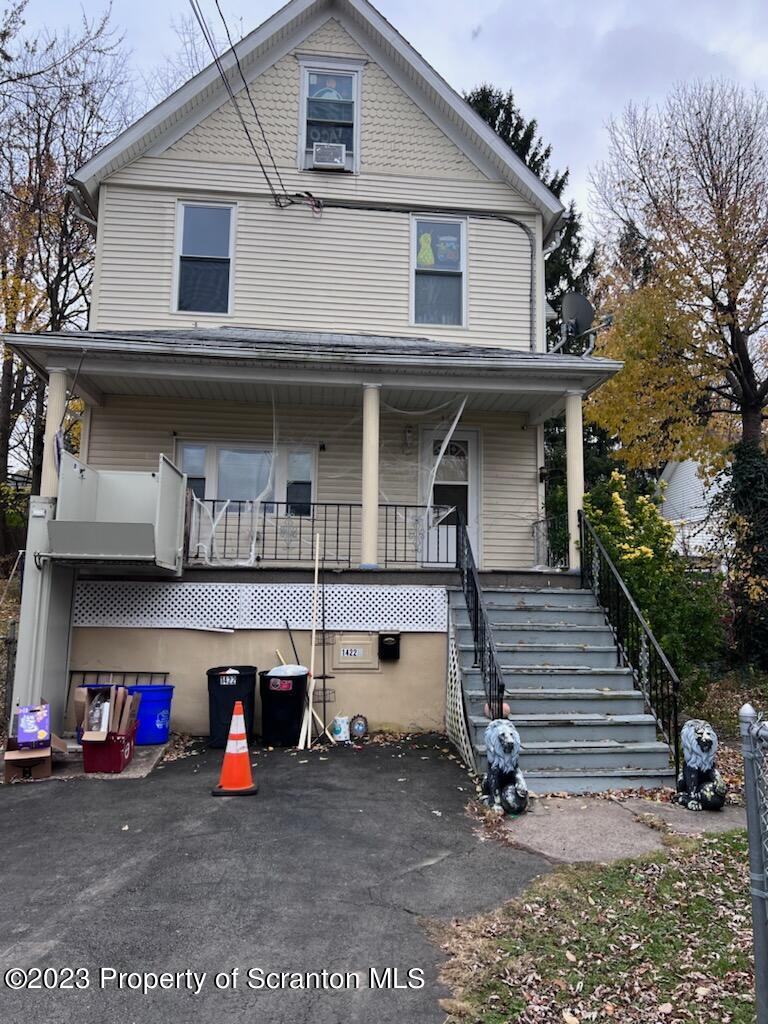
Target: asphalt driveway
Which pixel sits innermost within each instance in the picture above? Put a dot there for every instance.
(331, 867)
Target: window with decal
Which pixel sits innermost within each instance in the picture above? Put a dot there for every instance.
(204, 258)
(329, 118)
(438, 259)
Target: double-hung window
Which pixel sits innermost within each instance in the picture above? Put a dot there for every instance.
(439, 271)
(204, 258)
(329, 116)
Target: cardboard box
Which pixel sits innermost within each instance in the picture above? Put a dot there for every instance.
(31, 764)
(32, 726)
(97, 710)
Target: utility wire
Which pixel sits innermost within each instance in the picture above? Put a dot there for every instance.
(250, 97)
(207, 35)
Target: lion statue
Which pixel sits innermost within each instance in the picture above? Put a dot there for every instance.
(504, 788)
(700, 786)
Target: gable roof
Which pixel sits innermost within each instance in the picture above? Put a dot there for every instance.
(275, 37)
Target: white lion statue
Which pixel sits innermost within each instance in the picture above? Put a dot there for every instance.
(504, 788)
(700, 786)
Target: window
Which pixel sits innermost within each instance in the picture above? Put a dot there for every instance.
(330, 112)
(205, 258)
(193, 458)
(438, 262)
(298, 483)
(233, 472)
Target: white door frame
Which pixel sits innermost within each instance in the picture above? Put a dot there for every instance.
(427, 436)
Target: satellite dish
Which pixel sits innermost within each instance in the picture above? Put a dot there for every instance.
(577, 313)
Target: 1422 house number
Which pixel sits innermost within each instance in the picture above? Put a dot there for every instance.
(351, 652)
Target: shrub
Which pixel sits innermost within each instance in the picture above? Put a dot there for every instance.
(684, 608)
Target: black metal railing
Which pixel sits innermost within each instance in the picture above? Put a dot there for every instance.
(250, 532)
(221, 531)
(550, 542)
(422, 535)
(636, 644)
(486, 655)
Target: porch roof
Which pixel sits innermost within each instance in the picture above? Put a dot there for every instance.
(186, 362)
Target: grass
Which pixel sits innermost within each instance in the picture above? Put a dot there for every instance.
(664, 938)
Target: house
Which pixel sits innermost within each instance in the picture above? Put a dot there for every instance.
(686, 503)
(340, 342)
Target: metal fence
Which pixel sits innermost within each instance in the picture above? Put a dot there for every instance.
(754, 738)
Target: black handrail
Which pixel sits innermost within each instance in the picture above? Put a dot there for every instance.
(636, 644)
(486, 655)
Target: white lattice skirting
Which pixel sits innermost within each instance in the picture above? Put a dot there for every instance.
(455, 712)
(226, 606)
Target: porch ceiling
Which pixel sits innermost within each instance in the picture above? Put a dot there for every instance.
(249, 365)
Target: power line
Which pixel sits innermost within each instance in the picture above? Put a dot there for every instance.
(207, 35)
(250, 97)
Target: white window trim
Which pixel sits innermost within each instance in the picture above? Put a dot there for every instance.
(280, 478)
(180, 205)
(439, 218)
(323, 65)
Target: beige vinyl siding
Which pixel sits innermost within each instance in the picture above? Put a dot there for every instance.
(396, 135)
(130, 433)
(346, 270)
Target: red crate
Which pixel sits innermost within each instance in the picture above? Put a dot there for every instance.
(112, 755)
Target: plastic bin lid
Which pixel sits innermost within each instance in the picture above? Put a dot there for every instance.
(287, 671)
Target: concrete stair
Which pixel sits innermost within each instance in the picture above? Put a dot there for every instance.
(583, 726)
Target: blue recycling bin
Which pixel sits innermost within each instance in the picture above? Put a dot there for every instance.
(154, 712)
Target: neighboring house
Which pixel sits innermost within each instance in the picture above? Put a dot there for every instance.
(686, 503)
(363, 363)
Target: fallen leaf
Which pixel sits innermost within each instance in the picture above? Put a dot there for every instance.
(665, 1008)
(570, 956)
(569, 1018)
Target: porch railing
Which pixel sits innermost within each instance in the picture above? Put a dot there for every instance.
(249, 533)
(636, 644)
(486, 656)
(550, 542)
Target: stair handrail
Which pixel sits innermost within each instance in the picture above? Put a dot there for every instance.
(486, 655)
(635, 642)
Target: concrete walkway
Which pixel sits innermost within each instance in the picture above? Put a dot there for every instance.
(332, 866)
(587, 829)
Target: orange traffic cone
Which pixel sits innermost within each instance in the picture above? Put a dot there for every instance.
(236, 778)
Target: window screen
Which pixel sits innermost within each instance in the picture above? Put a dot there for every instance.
(439, 274)
(330, 113)
(204, 262)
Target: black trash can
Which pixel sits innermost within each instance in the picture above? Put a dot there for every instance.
(224, 688)
(283, 691)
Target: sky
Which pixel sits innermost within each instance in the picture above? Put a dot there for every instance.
(572, 64)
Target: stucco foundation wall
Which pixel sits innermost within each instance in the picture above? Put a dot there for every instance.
(406, 695)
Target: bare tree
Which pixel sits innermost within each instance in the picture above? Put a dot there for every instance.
(52, 120)
(690, 181)
(191, 57)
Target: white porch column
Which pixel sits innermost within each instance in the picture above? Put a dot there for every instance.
(369, 527)
(574, 452)
(57, 397)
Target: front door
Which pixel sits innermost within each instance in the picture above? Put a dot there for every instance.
(454, 490)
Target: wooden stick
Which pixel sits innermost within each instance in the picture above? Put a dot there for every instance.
(305, 737)
(280, 658)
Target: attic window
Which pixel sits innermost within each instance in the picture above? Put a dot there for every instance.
(330, 106)
(204, 258)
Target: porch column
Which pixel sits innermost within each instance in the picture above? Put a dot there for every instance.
(57, 397)
(574, 452)
(369, 526)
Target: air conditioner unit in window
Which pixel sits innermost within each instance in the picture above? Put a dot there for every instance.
(329, 156)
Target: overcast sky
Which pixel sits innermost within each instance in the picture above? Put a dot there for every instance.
(571, 63)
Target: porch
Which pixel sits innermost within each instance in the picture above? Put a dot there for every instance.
(377, 445)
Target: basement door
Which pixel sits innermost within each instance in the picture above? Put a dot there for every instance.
(454, 488)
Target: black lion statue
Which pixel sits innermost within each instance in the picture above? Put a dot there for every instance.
(504, 788)
(700, 786)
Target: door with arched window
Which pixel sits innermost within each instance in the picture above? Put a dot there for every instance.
(449, 486)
